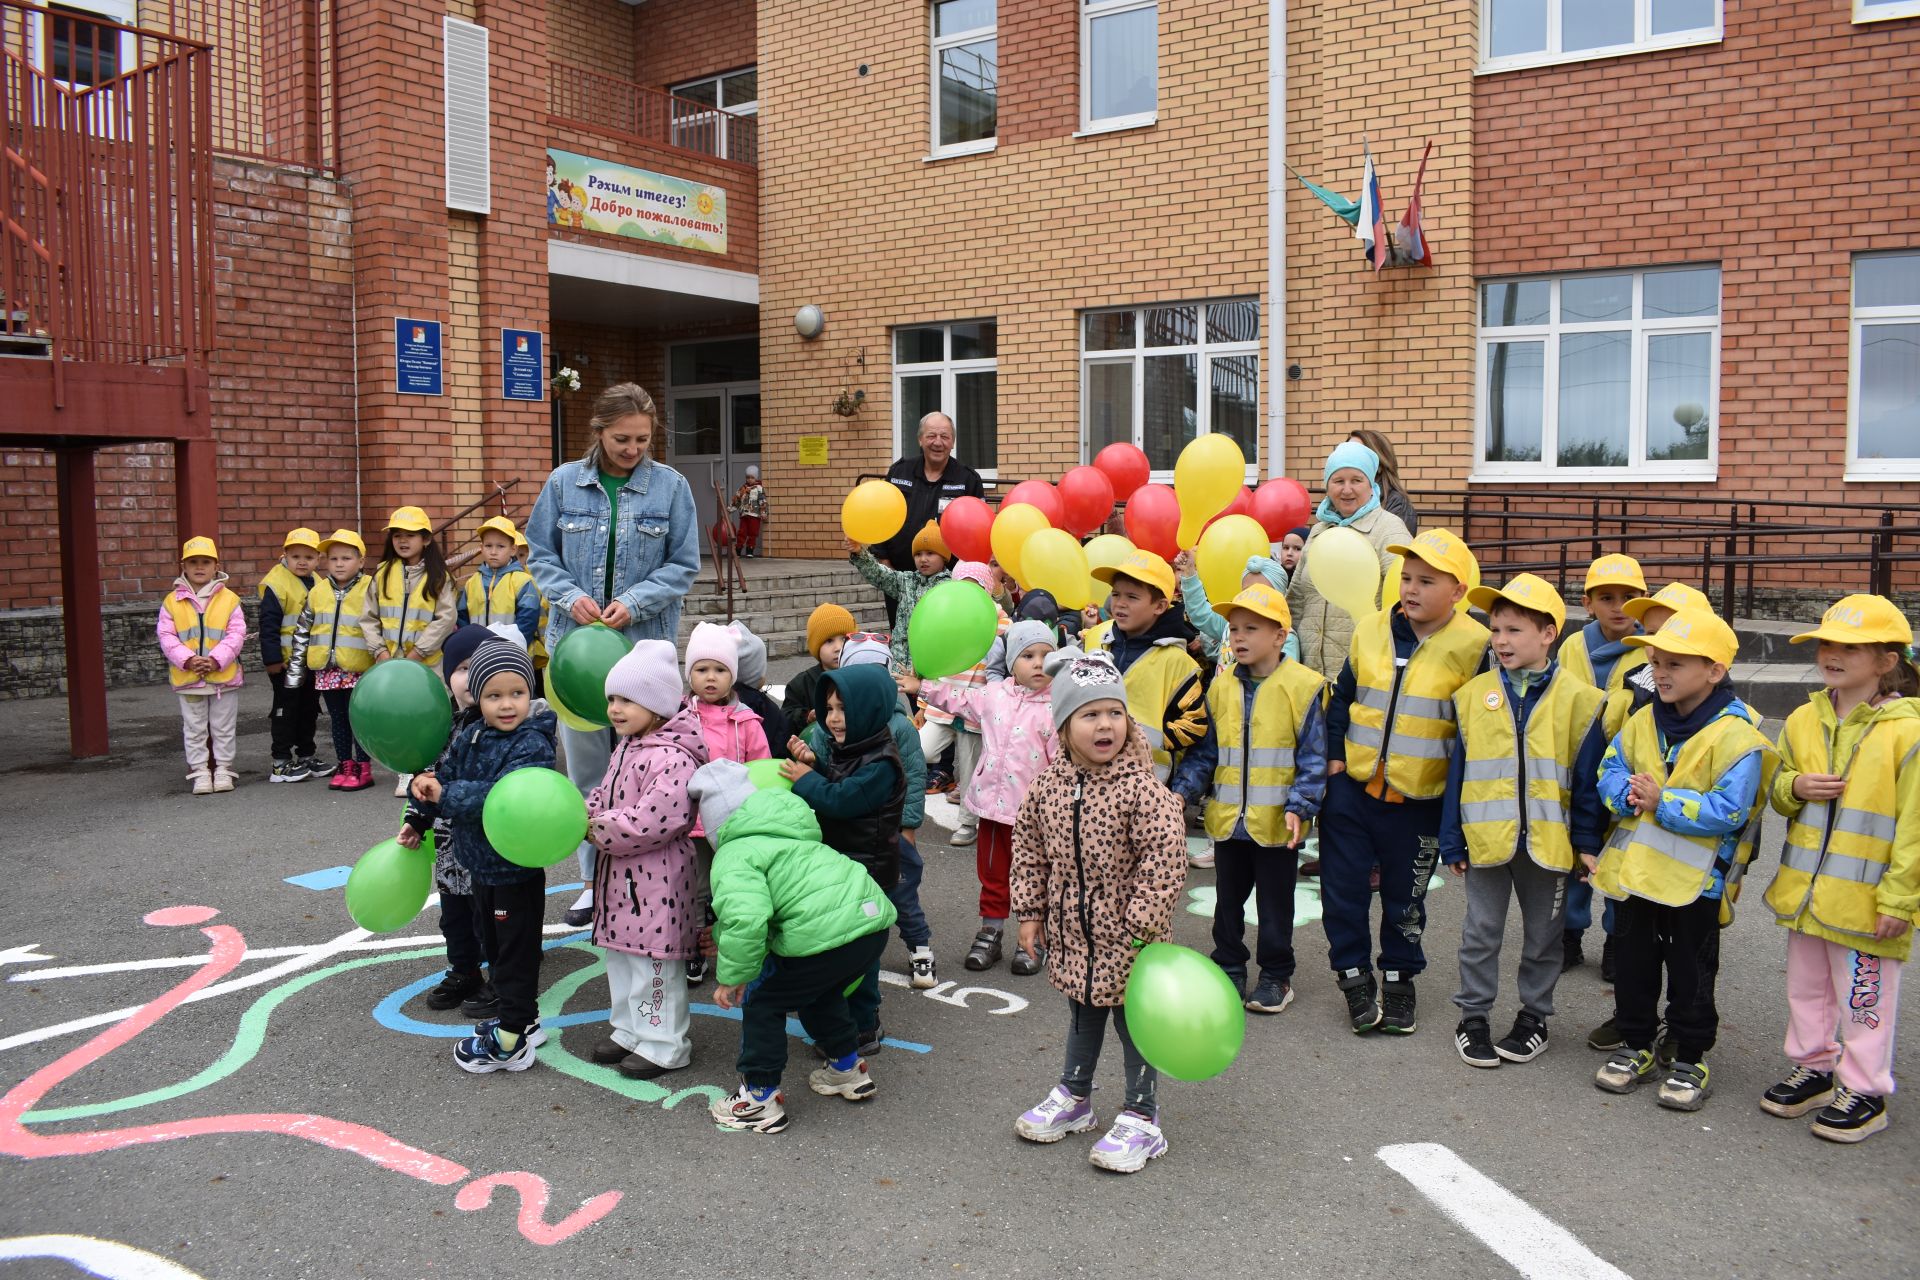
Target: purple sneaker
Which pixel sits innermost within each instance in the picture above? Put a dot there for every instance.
(1128, 1146)
(1059, 1115)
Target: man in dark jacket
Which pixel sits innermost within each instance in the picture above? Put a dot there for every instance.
(928, 482)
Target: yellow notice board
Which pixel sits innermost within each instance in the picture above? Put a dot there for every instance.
(813, 451)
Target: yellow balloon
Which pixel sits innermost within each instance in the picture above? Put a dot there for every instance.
(1222, 556)
(1346, 570)
(568, 717)
(1206, 478)
(1054, 562)
(873, 512)
(1011, 529)
(1105, 552)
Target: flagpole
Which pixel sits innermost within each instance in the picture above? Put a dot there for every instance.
(1276, 238)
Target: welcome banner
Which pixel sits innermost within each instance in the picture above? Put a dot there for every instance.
(598, 195)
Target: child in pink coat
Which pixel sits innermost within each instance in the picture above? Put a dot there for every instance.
(201, 630)
(1017, 741)
(732, 731)
(641, 822)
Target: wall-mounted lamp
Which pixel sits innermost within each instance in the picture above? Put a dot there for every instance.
(809, 321)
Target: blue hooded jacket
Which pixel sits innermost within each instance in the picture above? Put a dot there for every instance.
(477, 758)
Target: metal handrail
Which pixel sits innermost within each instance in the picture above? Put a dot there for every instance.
(621, 108)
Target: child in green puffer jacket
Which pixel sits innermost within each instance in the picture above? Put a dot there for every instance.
(798, 926)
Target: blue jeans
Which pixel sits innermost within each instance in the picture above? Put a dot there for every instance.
(1356, 833)
(1580, 908)
(905, 896)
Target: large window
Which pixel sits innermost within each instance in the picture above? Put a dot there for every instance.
(1159, 376)
(966, 76)
(1119, 63)
(723, 123)
(1597, 375)
(1875, 10)
(1883, 400)
(952, 368)
(1529, 33)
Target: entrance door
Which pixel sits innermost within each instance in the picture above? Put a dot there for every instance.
(715, 437)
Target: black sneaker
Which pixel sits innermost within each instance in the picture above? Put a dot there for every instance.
(697, 970)
(1802, 1091)
(288, 771)
(454, 988)
(870, 1041)
(580, 914)
(1396, 1005)
(1363, 999)
(1665, 1050)
(1527, 1040)
(1607, 951)
(484, 1003)
(1606, 1037)
(1850, 1117)
(1270, 997)
(315, 766)
(1571, 955)
(1475, 1042)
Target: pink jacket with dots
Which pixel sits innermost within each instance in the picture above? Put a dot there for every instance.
(641, 821)
(1017, 741)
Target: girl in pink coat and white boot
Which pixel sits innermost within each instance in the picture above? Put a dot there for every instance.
(641, 822)
(732, 731)
(201, 630)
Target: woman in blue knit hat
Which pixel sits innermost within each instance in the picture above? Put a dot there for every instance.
(1350, 479)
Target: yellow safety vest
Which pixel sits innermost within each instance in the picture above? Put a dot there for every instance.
(483, 604)
(286, 584)
(538, 649)
(336, 638)
(1256, 766)
(1645, 860)
(1151, 682)
(1837, 852)
(1497, 773)
(1573, 657)
(403, 614)
(1417, 695)
(202, 632)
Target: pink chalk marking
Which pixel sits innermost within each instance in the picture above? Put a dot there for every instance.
(534, 1192)
(173, 917)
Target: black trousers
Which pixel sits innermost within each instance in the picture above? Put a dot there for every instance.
(295, 712)
(815, 986)
(345, 746)
(460, 925)
(1242, 868)
(511, 917)
(1681, 943)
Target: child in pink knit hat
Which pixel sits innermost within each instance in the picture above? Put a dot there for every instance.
(731, 729)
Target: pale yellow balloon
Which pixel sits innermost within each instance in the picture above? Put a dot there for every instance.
(1011, 529)
(1105, 552)
(1207, 477)
(1054, 562)
(1346, 570)
(1221, 558)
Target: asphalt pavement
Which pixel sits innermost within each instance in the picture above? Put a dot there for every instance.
(312, 1123)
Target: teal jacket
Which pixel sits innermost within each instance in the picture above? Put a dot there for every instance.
(777, 889)
(906, 740)
(906, 588)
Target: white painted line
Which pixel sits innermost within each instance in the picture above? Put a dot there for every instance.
(253, 953)
(105, 1258)
(1527, 1240)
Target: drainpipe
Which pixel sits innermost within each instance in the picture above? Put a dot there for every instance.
(1276, 237)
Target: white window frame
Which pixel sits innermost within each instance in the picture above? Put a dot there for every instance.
(124, 12)
(1644, 41)
(1203, 383)
(939, 44)
(1089, 123)
(948, 370)
(718, 81)
(1548, 471)
(1864, 12)
(1859, 468)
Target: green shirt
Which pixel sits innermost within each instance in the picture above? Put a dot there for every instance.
(613, 485)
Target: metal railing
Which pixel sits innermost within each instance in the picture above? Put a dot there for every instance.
(274, 94)
(106, 208)
(610, 105)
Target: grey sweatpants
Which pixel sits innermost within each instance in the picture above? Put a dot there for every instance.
(1543, 909)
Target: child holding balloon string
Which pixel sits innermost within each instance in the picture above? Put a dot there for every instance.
(941, 729)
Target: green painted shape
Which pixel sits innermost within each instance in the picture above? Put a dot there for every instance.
(556, 1055)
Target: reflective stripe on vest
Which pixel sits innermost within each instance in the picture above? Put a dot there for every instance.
(502, 598)
(1840, 866)
(403, 616)
(1255, 771)
(1401, 719)
(202, 631)
(1417, 748)
(1516, 792)
(293, 593)
(335, 638)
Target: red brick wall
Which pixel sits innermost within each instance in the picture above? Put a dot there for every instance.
(1039, 70)
(1778, 153)
(595, 34)
(741, 185)
(679, 40)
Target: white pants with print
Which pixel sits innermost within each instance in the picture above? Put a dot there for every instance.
(650, 1007)
(205, 716)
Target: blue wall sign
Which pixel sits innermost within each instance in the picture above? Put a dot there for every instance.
(416, 351)
(522, 369)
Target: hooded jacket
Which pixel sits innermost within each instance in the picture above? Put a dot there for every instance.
(778, 889)
(1324, 628)
(641, 821)
(478, 757)
(1017, 741)
(906, 741)
(1100, 856)
(225, 652)
(859, 787)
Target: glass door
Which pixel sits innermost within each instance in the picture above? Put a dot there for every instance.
(715, 438)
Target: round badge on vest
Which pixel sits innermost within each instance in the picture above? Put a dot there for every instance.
(1493, 700)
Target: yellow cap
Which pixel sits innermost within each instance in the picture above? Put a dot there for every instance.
(499, 524)
(1527, 591)
(346, 537)
(302, 537)
(1675, 595)
(1266, 602)
(198, 547)
(410, 520)
(520, 539)
(1442, 549)
(1615, 571)
(1695, 632)
(1862, 620)
(1141, 566)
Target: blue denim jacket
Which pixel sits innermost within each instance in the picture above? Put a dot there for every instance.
(656, 554)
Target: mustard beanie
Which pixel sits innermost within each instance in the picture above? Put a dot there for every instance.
(929, 539)
(826, 622)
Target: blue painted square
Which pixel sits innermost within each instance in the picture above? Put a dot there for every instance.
(324, 878)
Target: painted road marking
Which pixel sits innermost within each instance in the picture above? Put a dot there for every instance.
(106, 1258)
(324, 878)
(253, 953)
(28, 954)
(1527, 1240)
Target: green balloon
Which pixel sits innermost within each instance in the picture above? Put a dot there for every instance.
(402, 715)
(1183, 1013)
(390, 884)
(952, 628)
(534, 817)
(579, 665)
(766, 776)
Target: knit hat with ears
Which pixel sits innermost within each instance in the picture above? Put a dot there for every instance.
(648, 675)
(711, 642)
(1080, 678)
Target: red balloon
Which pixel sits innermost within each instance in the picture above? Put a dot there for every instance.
(1126, 466)
(1086, 497)
(1037, 493)
(1153, 520)
(1242, 505)
(1282, 505)
(965, 527)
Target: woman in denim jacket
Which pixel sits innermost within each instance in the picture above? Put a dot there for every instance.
(630, 572)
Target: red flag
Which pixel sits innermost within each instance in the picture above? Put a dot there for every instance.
(1413, 249)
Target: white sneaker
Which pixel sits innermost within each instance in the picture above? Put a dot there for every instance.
(963, 835)
(924, 974)
(1059, 1114)
(741, 1110)
(222, 780)
(202, 783)
(1202, 859)
(855, 1085)
(402, 783)
(1128, 1146)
